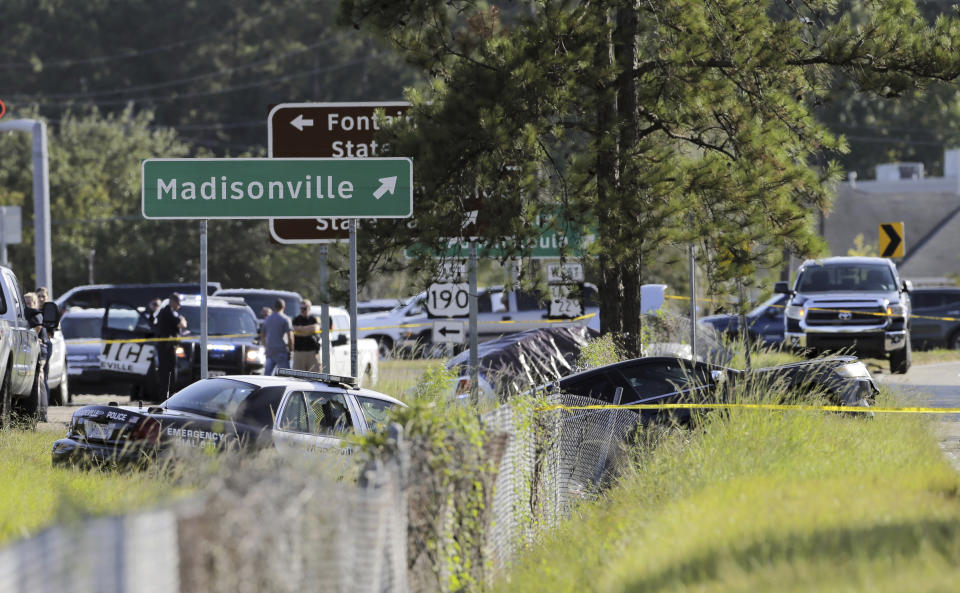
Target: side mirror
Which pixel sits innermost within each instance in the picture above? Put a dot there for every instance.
(51, 315)
(342, 340)
(906, 285)
(782, 288)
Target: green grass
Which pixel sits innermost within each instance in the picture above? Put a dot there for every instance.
(36, 495)
(761, 501)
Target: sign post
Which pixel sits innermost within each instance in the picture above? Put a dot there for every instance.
(324, 312)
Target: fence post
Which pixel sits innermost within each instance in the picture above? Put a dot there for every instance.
(605, 452)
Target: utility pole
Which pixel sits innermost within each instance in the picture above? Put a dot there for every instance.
(41, 197)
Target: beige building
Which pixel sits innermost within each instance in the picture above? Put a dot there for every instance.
(929, 208)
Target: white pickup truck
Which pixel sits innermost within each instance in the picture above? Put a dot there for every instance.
(19, 351)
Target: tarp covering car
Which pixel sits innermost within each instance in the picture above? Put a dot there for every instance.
(517, 362)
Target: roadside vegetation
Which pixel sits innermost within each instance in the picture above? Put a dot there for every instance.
(37, 495)
(765, 501)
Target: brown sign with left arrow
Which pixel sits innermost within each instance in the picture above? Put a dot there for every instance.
(324, 130)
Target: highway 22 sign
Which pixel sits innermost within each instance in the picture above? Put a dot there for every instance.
(277, 188)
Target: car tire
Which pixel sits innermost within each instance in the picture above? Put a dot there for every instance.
(900, 359)
(60, 395)
(953, 342)
(385, 347)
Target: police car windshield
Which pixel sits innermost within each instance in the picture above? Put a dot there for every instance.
(217, 398)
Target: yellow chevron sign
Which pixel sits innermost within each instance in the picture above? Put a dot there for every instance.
(891, 239)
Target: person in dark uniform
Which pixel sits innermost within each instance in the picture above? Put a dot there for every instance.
(169, 325)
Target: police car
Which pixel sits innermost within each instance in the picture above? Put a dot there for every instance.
(289, 411)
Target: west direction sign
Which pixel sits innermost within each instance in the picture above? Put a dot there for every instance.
(327, 130)
(277, 188)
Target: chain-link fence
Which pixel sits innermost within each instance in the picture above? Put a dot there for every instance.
(301, 525)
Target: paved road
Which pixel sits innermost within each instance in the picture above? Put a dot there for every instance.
(937, 386)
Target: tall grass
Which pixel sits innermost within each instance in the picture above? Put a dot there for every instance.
(766, 501)
(37, 495)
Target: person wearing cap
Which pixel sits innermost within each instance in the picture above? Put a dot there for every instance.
(306, 339)
(169, 325)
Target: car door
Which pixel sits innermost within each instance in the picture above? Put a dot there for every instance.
(25, 345)
(768, 324)
(925, 330)
(315, 421)
(127, 354)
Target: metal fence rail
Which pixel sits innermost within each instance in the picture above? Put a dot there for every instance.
(286, 527)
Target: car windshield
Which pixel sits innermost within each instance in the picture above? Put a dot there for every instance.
(217, 398)
(222, 321)
(257, 301)
(846, 277)
(774, 301)
(80, 327)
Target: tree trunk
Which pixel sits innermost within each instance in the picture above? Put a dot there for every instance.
(608, 222)
(625, 54)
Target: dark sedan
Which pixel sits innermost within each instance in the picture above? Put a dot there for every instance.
(935, 321)
(764, 323)
(663, 380)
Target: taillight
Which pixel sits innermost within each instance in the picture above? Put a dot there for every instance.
(463, 386)
(147, 430)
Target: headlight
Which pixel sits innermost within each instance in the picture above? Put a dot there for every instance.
(853, 370)
(255, 355)
(795, 311)
(897, 310)
(181, 353)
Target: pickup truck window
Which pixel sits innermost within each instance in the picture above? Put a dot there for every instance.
(3, 301)
(848, 277)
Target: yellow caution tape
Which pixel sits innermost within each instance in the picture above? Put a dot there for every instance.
(931, 317)
(193, 338)
(777, 407)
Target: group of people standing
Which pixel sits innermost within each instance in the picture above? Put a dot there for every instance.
(284, 339)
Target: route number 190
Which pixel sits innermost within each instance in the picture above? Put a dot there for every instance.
(448, 299)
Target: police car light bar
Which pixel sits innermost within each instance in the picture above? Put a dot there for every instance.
(310, 375)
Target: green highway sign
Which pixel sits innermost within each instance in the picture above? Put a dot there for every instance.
(549, 245)
(277, 188)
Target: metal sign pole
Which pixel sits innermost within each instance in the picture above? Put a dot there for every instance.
(353, 298)
(693, 305)
(324, 311)
(204, 368)
(743, 322)
(474, 361)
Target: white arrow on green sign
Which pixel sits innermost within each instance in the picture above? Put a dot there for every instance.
(277, 188)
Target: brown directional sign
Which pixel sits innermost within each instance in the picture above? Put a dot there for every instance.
(331, 130)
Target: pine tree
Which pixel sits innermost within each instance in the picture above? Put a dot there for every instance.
(658, 122)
